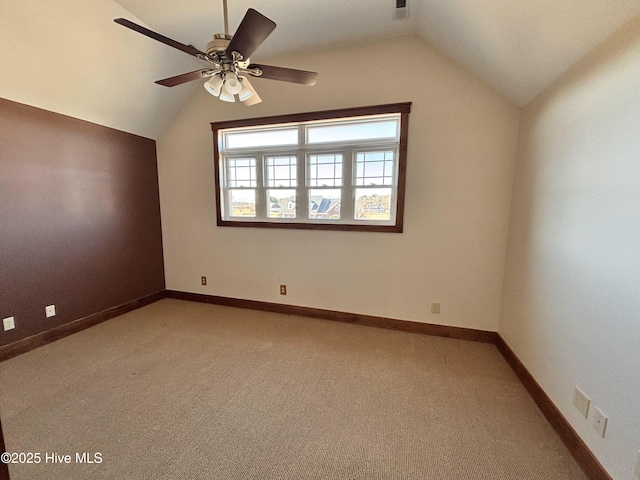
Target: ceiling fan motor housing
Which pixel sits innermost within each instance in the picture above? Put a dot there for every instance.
(218, 44)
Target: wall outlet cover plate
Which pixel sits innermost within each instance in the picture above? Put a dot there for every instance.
(8, 323)
(599, 422)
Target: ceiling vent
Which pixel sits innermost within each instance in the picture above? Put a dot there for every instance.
(400, 9)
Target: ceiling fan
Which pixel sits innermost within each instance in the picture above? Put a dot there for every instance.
(230, 66)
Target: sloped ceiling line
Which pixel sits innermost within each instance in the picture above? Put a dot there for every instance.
(91, 68)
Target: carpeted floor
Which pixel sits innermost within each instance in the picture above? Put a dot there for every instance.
(180, 390)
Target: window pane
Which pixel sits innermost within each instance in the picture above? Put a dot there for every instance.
(261, 138)
(325, 170)
(375, 168)
(281, 171)
(282, 203)
(324, 204)
(242, 172)
(349, 131)
(373, 204)
(243, 203)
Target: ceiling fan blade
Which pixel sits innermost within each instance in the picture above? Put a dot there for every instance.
(190, 49)
(185, 77)
(252, 31)
(253, 100)
(286, 74)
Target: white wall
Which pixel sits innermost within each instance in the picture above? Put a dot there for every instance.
(462, 143)
(69, 57)
(571, 305)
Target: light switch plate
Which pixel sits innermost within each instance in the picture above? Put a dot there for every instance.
(50, 310)
(581, 401)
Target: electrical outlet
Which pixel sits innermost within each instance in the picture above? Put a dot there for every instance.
(435, 307)
(8, 323)
(638, 467)
(203, 280)
(599, 422)
(283, 289)
(581, 401)
(50, 311)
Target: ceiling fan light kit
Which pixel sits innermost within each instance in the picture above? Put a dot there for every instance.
(226, 88)
(229, 61)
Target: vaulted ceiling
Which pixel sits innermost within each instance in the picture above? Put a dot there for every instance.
(68, 56)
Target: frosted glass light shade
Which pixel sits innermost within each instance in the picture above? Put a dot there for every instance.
(214, 85)
(227, 97)
(232, 83)
(246, 93)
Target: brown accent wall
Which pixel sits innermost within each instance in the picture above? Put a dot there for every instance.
(79, 219)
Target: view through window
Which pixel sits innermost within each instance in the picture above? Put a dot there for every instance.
(340, 169)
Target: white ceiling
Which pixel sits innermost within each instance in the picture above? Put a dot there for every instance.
(520, 46)
(68, 56)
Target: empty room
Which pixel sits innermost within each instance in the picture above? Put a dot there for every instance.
(385, 239)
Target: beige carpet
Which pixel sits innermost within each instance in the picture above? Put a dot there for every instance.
(180, 390)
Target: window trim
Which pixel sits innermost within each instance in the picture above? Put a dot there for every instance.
(402, 108)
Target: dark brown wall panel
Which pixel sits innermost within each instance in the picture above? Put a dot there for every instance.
(79, 219)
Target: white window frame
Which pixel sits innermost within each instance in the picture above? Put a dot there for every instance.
(302, 151)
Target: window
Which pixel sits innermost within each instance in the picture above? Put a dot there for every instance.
(338, 169)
